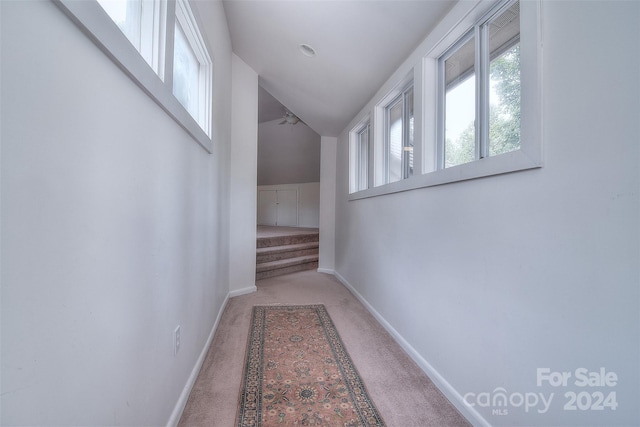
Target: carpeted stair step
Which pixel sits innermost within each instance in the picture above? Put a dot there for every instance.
(276, 253)
(286, 266)
(264, 242)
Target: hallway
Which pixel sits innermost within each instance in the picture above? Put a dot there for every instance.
(401, 391)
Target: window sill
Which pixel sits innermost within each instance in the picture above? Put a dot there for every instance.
(505, 163)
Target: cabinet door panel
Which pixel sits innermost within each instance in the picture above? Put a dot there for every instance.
(267, 207)
(287, 208)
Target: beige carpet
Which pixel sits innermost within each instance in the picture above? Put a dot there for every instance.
(402, 393)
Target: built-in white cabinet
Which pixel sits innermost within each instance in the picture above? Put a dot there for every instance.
(278, 207)
(289, 205)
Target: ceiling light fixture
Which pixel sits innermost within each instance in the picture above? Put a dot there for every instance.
(307, 50)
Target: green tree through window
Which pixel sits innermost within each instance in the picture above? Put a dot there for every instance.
(504, 113)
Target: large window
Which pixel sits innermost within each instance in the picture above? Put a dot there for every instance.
(162, 50)
(480, 83)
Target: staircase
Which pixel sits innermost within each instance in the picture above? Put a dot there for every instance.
(278, 255)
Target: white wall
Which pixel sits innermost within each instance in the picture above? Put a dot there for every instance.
(244, 140)
(326, 259)
(308, 201)
(309, 204)
(287, 154)
(114, 228)
(488, 280)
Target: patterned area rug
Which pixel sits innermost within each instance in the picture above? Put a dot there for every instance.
(298, 373)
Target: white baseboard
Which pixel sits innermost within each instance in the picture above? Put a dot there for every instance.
(242, 291)
(326, 271)
(186, 391)
(443, 385)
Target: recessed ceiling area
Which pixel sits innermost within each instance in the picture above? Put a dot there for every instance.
(358, 44)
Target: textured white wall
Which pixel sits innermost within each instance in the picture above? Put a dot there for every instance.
(244, 141)
(326, 261)
(114, 228)
(490, 279)
(309, 205)
(287, 154)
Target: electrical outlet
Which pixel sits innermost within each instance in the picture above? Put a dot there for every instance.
(176, 340)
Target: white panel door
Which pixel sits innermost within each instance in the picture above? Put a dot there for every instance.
(287, 208)
(267, 207)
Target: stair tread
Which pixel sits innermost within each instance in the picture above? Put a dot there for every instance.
(307, 234)
(272, 265)
(287, 270)
(287, 248)
(263, 242)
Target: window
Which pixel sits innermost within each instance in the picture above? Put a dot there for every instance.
(163, 51)
(466, 104)
(399, 136)
(191, 67)
(363, 158)
(186, 72)
(460, 102)
(480, 90)
(360, 138)
(140, 21)
(127, 16)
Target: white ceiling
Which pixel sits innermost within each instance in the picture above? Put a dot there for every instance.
(359, 43)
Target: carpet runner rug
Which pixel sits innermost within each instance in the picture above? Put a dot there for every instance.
(298, 373)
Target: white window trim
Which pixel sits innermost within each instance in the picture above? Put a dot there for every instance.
(149, 36)
(363, 167)
(155, 24)
(401, 98)
(479, 33)
(355, 154)
(423, 61)
(186, 20)
(98, 26)
(379, 138)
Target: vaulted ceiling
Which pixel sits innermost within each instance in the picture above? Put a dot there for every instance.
(358, 44)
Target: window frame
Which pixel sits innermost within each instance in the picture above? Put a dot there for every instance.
(379, 158)
(441, 102)
(150, 36)
(359, 163)
(481, 71)
(402, 100)
(185, 19)
(422, 64)
(395, 102)
(363, 156)
(94, 21)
